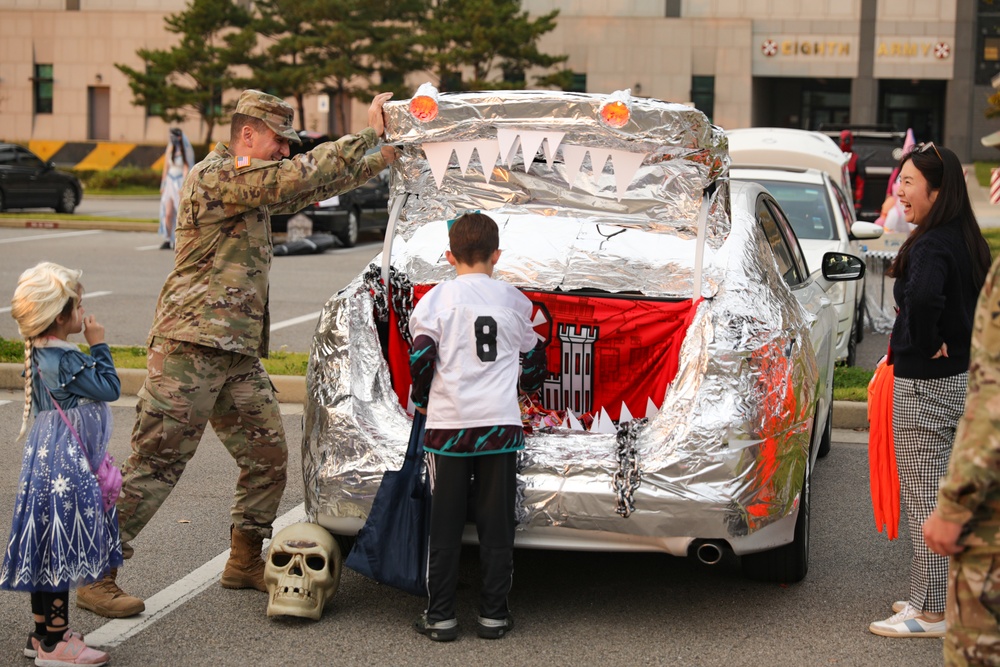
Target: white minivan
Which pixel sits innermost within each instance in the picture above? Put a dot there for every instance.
(807, 173)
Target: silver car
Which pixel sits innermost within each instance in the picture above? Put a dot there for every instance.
(690, 349)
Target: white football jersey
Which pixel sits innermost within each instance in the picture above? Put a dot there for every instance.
(480, 326)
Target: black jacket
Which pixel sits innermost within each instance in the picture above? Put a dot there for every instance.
(936, 300)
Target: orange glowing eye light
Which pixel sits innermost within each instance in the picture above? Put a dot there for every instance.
(424, 108)
(615, 114)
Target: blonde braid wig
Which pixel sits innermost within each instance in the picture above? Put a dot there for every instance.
(41, 296)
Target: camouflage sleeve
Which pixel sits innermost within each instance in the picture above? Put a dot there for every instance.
(974, 470)
(287, 186)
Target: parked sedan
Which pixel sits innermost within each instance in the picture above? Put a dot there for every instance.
(806, 173)
(27, 181)
(347, 215)
(690, 351)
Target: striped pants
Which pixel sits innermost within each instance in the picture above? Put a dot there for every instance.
(924, 418)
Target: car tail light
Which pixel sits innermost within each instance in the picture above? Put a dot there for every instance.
(616, 109)
(424, 105)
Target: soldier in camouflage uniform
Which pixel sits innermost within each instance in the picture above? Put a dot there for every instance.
(211, 329)
(966, 523)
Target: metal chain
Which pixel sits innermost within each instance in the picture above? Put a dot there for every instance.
(373, 281)
(401, 296)
(628, 477)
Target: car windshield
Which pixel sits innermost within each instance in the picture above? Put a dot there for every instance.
(807, 207)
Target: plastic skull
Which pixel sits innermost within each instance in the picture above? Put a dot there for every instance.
(302, 571)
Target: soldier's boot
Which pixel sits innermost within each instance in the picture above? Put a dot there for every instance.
(245, 567)
(105, 598)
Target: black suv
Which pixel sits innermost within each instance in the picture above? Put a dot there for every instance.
(27, 181)
(346, 215)
(879, 147)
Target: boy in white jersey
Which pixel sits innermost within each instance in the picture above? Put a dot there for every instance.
(469, 335)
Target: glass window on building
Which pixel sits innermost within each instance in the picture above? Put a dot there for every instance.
(673, 9)
(514, 76)
(43, 88)
(703, 94)
(988, 54)
(451, 81)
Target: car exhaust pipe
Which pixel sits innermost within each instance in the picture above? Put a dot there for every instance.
(709, 552)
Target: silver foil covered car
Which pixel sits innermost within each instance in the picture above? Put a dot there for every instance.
(663, 295)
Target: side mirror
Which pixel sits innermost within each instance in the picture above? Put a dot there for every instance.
(866, 230)
(839, 266)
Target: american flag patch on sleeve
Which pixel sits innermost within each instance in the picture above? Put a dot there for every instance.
(242, 161)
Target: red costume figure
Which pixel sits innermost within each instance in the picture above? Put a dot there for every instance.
(856, 168)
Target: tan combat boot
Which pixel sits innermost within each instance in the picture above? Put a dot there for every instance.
(245, 567)
(104, 598)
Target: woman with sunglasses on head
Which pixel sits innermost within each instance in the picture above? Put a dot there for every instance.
(939, 272)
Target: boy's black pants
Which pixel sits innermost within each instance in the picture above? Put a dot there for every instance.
(496, 486)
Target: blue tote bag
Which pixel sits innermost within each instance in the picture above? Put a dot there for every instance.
(391, 547)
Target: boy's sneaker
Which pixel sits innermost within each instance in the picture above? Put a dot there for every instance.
(907, 623)
(35, 639)
(441, 631)
(494, 628)
(71, 651)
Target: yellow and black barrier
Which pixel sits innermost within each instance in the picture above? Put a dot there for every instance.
(98, 155)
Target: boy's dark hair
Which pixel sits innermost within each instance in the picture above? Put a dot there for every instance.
(474, 238)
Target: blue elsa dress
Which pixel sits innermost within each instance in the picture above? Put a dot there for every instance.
(61, 536)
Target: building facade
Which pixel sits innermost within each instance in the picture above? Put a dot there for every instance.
(921, 64)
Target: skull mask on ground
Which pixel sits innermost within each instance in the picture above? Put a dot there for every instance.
(302, 571)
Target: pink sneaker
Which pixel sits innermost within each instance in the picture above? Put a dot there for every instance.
(35, 639)
(71, 651)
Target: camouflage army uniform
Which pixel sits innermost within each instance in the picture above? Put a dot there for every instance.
(970, 495)
(211, 328)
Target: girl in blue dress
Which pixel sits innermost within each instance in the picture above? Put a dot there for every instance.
(62, 535)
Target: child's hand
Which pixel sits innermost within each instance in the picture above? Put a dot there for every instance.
(93, 330)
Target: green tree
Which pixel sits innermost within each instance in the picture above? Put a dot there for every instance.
(288, 65)
(191, 77)
(494, 38)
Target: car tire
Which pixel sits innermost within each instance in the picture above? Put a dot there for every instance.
(826, 442)
(2, 203)
(852, 345)
(349, 235)
(860, 320)
(789, 563)
(67, 201)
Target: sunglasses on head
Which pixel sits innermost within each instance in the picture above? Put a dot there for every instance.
(923, 148)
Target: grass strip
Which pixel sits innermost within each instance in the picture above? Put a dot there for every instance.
(34, 215)
(134, 356)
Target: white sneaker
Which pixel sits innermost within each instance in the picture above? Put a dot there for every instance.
(898, 606)
(907, 623)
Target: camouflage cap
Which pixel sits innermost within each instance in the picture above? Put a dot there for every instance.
(274, 111)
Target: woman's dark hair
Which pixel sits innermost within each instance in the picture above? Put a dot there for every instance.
(943, 172)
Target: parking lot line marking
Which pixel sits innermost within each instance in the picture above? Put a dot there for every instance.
(115, 632)
(86, 295)
(296, 320)
(60, 235)
(4, 402)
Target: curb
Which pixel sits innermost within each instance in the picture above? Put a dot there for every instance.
(292, 389)
(289, 388)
